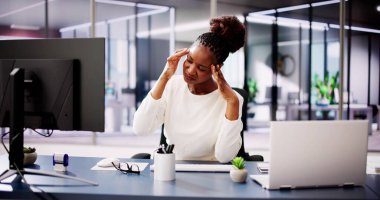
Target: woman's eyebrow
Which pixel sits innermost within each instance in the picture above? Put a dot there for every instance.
(191, 58)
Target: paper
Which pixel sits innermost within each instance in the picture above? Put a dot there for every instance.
(263, 167)
(141, 165)
(200, 168)
(373, 162)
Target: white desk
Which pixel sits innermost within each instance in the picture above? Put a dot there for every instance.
(292, 111)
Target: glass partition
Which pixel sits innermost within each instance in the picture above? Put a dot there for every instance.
(309, 81)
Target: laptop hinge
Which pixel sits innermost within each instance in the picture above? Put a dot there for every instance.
(348, 184)
(285, 187)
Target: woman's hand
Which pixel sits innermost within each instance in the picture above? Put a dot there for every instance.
(232, 112)
(170, 68)
(172, 63)
(225, 89)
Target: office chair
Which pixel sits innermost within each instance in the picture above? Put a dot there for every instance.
(241, 152)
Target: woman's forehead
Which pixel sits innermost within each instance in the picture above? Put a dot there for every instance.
(201, 54)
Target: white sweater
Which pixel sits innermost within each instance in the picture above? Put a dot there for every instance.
(196, 124)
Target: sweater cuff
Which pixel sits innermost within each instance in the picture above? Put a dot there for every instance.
(231, 121)
(151, 103)
(231, 124)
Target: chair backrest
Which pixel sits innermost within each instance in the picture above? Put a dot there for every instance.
(242, 152)
(244, 94)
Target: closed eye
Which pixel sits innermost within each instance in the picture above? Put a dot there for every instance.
(204, 69)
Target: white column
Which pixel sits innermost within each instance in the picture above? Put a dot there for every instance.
(92, 18)
(341, 57)
(213, 8)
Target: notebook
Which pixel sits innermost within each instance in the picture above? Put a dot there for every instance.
(316, 154)
(200, 168)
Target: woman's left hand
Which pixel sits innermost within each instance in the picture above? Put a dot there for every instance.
(232, 111)
(225, 89)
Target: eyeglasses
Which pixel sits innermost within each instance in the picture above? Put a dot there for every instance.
(126, 168)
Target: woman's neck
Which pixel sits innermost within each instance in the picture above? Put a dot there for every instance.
(203, 88)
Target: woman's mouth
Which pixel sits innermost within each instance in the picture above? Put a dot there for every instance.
(188, 78)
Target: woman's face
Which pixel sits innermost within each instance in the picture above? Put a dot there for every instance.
(197, 67)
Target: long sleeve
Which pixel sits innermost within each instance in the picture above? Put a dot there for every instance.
(149, 116)
(229, 140)
(196, 124)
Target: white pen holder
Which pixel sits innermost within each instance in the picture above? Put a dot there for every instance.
(164, 166)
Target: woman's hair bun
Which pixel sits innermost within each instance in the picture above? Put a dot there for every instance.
(230, 29)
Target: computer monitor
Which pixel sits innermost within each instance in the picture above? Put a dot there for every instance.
(51, 93)
(50, 84)
(89, 52)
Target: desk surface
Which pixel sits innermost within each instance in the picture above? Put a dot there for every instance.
(115, 185)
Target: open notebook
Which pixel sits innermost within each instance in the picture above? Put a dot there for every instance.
(200, 168)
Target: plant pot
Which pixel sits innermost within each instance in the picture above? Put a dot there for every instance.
(323, 102)
(30, 158)
(238, 175)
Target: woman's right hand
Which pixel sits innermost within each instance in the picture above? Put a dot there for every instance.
(172, 62)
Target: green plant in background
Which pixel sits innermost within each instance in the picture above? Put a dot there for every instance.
(252, 90)
(325, 88)
(238, 162)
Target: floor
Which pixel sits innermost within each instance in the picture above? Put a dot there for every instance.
(124, 145)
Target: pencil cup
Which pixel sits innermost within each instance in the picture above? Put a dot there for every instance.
(164, 166)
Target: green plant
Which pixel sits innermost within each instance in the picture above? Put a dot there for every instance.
(29, 150)
(325, 88)
(252, 90)
(238, 162)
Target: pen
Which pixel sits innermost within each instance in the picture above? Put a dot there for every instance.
(170, 148)
(163, 148)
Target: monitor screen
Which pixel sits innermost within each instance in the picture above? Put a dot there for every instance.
(50, 84)
(51, 93)
(90, 54)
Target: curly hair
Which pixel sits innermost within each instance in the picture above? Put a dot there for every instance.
(227, 35)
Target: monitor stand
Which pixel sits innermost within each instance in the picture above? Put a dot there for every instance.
(16, 133)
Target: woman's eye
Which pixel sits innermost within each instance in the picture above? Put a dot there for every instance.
(189, 61)
(202, 68)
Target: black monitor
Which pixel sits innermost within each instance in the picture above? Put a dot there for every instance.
(89, 52)
(51, 93)
(50, 84)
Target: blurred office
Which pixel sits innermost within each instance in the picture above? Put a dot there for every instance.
(289, 66)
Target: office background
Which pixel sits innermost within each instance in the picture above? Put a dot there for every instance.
(141, 34)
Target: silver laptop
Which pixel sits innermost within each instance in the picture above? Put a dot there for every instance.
(316, 154)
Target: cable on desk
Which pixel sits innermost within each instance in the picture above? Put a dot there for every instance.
(23, 178)
(50, 132)
(2, 141)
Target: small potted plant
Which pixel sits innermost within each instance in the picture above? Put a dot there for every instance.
(252, 90)
(238, 173)
(30, 155)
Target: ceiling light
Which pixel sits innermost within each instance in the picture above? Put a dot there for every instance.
(378, 8)
(25, 27)
(24, 8)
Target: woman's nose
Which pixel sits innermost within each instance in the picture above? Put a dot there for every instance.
(191, 69)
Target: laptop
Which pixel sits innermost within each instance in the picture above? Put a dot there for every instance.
(306, 154)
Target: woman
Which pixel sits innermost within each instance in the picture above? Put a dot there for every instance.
(201, 112)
